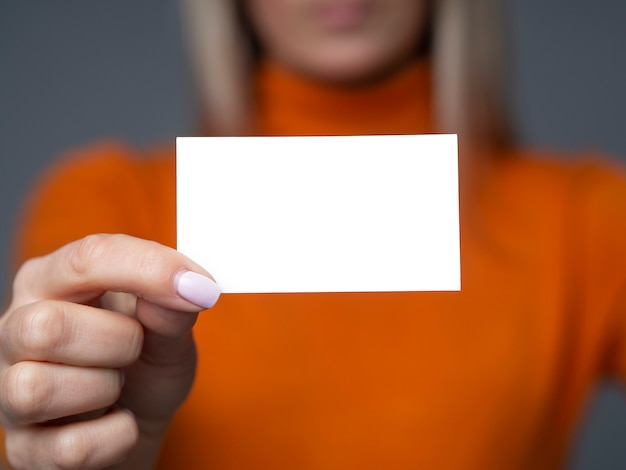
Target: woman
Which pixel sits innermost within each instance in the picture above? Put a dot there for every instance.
(491, 377)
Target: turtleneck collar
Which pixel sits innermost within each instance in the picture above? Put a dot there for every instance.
(291, 104)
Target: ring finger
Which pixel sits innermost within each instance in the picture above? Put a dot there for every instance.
(36, 392)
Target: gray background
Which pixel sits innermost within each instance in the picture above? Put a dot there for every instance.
(75, 70)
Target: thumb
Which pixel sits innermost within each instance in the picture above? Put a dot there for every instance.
(163, 322)
(166, 367)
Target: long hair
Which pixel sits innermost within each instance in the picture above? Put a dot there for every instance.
(468, 53)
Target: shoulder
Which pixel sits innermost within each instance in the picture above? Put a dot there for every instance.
(109, 160)
(586, 189)
(107, 174)
(591, 176)
(107, 186)
(559, 197)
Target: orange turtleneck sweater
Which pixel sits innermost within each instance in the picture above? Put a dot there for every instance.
(491, 377)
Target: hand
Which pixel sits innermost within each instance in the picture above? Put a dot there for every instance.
(85, 386)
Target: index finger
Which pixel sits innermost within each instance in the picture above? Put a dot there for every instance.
(83, 270)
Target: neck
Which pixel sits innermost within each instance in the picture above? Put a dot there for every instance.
(288, 103)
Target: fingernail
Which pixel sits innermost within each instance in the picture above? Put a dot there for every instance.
(197, 289)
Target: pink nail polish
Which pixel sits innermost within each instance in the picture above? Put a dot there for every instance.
(197, 289)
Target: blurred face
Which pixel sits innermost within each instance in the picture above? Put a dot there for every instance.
(339, 40)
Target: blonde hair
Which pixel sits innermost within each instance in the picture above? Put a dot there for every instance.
(468, 56)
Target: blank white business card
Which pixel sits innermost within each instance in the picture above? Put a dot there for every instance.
(321, 214)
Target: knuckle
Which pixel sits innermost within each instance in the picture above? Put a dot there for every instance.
(71, 450)
(26, 393)
(86, 251)
(16, 454)
(43, 330)
(24, 270)
(23, 276)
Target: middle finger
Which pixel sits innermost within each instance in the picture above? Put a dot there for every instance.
(73, 334)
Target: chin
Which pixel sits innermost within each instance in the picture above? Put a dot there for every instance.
(350, 71)
(353, 61)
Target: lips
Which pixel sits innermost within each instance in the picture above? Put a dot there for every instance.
(343, 15)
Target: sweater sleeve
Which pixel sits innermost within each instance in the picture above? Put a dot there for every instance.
(601, 206)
